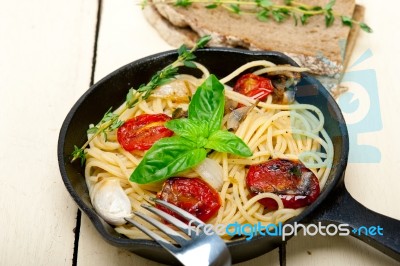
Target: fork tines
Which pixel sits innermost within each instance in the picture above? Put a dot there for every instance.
(191, 243)
(165, 228)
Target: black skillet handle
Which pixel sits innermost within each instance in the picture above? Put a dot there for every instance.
(364, 224)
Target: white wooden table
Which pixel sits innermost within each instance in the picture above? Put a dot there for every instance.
(46, 59)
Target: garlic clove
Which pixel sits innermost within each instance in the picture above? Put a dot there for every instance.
(110, 202)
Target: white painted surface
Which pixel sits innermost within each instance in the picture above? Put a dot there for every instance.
(45, 63)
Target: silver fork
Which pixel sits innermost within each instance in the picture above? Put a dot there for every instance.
(197, 248)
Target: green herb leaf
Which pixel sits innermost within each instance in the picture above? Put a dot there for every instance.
(329, 18)
(316, 8)
(330, 5)
(79, 153)
(212, 6)
(182, 50)
(194, 130)
(92, 130)
(183, 3)
(365, 27)
(348, 21)
(203, 41)
(304, 19)
(116, 124)
(189, 64)
(264, 3)
(235, 8)
(280, 14)
(130, 100)
(208, 103)
(284, 11)
(288, 2)
(167, 157)
(107, 116)
(225, 141)
(263, 15)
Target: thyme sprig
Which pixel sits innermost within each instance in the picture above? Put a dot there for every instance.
(265, 10)
(111, 121)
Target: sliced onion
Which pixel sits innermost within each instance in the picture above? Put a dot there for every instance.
(211, 172)
(177, 89)
(110, 201)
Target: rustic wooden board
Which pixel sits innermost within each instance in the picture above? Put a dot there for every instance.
(45, 61)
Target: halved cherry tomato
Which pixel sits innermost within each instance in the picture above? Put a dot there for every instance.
(191, 194)
(294, 183)
(254, 86)
(141, 132)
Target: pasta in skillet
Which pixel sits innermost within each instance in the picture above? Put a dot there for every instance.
(282, 135)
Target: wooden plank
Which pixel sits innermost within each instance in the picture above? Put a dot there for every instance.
(45, 61)
(124, 36)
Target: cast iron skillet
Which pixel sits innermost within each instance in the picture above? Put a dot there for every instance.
(334, 205)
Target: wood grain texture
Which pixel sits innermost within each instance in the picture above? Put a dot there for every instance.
(124, 37)
(45, 59)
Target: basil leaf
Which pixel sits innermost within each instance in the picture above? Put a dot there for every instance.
(208, 103)
(194, 130)
(225, 141)
(167, 157)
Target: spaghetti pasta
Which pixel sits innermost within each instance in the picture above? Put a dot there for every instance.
(287, 131)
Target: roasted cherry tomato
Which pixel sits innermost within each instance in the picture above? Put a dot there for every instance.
(141, 132)
(254, 86)
(294, 183)
(191, 194)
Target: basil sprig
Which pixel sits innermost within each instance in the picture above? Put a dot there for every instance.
(194, 137)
